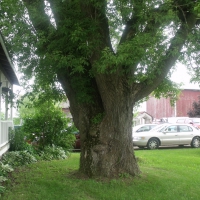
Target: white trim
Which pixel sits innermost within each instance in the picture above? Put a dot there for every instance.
(11, 107)
(6, 103)
(4, 148)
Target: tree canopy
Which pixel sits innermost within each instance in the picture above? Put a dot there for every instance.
(107, 55)
(134, 37)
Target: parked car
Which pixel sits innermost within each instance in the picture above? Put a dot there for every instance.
(167, 135)
(194, 121)
(143, 127)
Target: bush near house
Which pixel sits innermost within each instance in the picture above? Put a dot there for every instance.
(21, 137)
(45, 124)
(17, 142)
(42, 131)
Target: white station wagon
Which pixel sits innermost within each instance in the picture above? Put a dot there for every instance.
(167, 135)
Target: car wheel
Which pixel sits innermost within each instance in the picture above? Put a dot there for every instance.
(153, 143)
(195, 142)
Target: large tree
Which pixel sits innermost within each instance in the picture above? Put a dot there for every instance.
(107, 55)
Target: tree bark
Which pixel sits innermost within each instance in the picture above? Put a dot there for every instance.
(107, 149)
(106, 132)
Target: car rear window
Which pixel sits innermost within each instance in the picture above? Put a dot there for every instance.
(184, 128)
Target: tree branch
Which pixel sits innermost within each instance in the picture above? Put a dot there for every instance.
(39, 18)
(152, 25)
(96, 12)
(168, 60)
(147, 26)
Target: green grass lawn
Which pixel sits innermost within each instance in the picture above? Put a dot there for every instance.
(167, 174)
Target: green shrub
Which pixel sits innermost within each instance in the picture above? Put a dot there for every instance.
(53, 153)
(17, 140)
(2, 189)
(18, 158)
(5, 169)
(44, 122)
(2, 179)
(47, 127)
(65, 139)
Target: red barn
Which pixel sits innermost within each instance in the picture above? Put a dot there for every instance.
(159, 108)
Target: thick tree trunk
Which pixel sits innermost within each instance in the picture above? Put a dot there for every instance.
(107, 150)
(105, 128)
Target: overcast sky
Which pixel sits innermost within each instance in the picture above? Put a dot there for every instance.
(181, 75)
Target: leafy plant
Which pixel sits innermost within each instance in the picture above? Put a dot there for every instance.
(2, 179)
(2, 189)
(48, 125)
(65, 139)
(18, 140)
(18, 158)
(53, 153)
(4, 169)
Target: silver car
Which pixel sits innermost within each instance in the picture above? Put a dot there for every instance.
(167, 135)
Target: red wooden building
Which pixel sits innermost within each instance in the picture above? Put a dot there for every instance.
(160, 108)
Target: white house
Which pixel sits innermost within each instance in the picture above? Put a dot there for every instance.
(8, 78)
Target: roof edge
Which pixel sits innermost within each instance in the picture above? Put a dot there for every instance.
(8, 57)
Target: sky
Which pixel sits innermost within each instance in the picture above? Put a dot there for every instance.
(181, 75)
